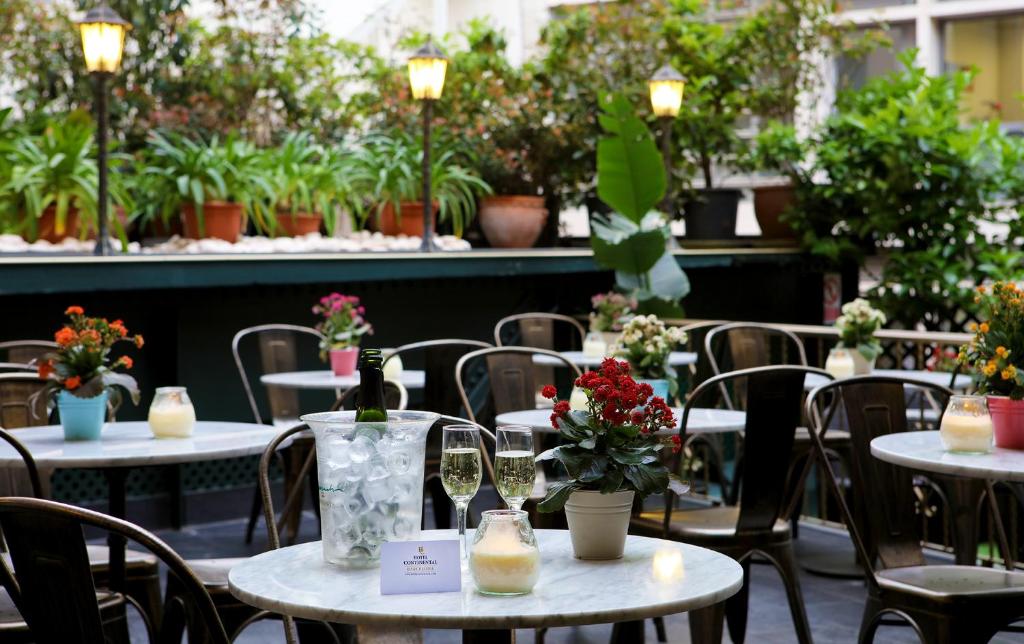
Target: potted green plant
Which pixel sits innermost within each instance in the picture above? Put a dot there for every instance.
(610, 313)
(515, 215)
(646, 344)
(857, 327)
(395, 160)
(343, 326)
(81, 375)
(611, 452)
(214, 186)
(52, 180)
(776, 149)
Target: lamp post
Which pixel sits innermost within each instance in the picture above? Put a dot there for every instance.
(427, 68)
(666, 88)
(102, 32)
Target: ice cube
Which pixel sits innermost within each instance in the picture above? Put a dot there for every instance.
(370, 431)
(361, 449)
(398, 461)
(376, 490)
(402, 528)
(375, 527)
(403, 488)
(355, 472)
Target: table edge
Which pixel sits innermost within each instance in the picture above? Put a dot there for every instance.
(967, 470)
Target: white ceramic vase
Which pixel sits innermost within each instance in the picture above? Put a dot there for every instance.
(861, 365)
(598, 523)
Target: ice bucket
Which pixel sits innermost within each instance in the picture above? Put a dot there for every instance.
(370, 482)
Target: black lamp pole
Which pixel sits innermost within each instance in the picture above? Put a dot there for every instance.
(666, 158)
(102, 238)
(428, 205)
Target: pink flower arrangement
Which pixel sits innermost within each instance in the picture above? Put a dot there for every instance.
(342, 323)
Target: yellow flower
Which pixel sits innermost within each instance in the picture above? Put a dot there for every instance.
(974, 326)
(1009, 373)
(1002, 352)
(981, 289)
(984, 327)
(989, 370)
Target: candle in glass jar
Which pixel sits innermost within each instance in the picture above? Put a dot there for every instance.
(594, 346)
(578, 400)
(393, 369)
(840, 364)
(171, 415)
(966, 433)
(502, 563)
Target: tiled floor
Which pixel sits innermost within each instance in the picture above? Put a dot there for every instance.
(834, 606)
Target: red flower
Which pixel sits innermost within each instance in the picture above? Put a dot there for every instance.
(74, 382)
(139, 341)
(126, 362)
(74, 310)
(548, 391)
(637, 416)
(45, 369)
(118, 327)
(677, 444)
(561, 407)
(65, 336)
(554, 420)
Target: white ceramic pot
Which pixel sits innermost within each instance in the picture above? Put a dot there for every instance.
(598, 523)
(861, 365)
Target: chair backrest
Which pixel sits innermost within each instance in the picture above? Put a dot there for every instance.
(875, 406)
(511, 375)
(538, 329)
(773, 403)
(26, 351)
(751, 345)
(52, 583)
(35, 482)
(277, 345)
(439, 359)
(22, 403)
(695, 334)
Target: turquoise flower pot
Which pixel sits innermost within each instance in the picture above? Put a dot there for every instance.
(660, 387)
(82, 418)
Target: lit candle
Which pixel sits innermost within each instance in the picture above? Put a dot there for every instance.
(840, 364)
(966, 433)
(393, 369)
(502, 563)
(171, 415)
(667, 565)
(578, 400)
(594, 346)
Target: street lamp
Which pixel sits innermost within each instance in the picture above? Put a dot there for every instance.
(426, 77)
(102, 32)
(666, 88)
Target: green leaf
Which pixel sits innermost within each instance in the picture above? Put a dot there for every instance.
(557, 495)
(647, 479)
(635, 254)
(632, 455)
(612, 482)
(595, 470)
(630, 172)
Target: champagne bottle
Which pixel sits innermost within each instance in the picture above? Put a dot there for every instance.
(371, 407)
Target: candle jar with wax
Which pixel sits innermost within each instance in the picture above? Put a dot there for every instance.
(171, 415)
(578, 400)
(840, 364)
(504, 558)
(966, 426)
(594, 345)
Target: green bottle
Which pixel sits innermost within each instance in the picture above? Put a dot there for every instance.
(370, 407)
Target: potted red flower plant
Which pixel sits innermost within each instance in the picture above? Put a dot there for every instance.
(342, 326)
(81, 375)
(612, 452)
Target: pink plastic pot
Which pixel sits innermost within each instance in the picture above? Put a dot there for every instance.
(343, 361)
(1007, 421)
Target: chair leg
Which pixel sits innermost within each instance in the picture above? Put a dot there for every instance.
(869, 621)
(172, 627)
(736, 607)
(145, 590)
(628, 632)
(659, 628)
(254, 515)
(706, 624)
(784, 561)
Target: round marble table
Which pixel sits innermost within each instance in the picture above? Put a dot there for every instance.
(701, 420)
(675, 359)
(326, 380)
(131, 444)
(940, 378)
(654, 578)
(923, 451)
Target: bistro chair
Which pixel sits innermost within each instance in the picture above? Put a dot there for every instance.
(26, 351)
(52, 586)
(341, 632)
(942, 603)
(759, 523)
(440, 394)
(540, 331)
(750, 345)
(17, 367)
(142, 574)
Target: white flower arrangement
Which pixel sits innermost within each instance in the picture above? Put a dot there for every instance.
(857, 326)
(646, 343)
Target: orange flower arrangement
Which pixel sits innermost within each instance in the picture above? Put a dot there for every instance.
(996, 352)
(81, 364)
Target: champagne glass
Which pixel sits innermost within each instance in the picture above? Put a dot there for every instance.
(461, 471)
(514, 467)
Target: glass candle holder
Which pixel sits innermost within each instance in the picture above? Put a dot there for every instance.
(840, 364)
(966, 426)
(504, 558)
(171, 415)
(594, 345)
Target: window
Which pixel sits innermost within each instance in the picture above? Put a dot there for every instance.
(995, 46)
(853, 73)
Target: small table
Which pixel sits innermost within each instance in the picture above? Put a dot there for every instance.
(923, 451)
(326, 380)
(296, 581)
(675, 359)
(701, 420)
(940, 378)
(131, 444)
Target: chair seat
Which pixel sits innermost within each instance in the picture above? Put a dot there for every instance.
(214, 572)
(99, 557)
(11, 621)
(952, 582)
(702, 523)
(831, 437)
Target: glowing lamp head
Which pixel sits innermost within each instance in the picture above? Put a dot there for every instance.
(427, 68)
(666, 87)
(103, 33)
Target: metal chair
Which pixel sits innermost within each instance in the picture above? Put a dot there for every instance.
(17, 367)
(142, 573)
(538, 330)
(942, 603)
(759, 524)
(273, 535)
(751, 345)
(27, 351)
(51, 584)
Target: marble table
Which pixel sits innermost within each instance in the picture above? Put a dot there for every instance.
(923, 451)
(654, 578)
(123, 446)
(940, 378)
(675, 359)
(701, 420)
(326, 380)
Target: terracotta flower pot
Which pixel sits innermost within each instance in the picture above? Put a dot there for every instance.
(598, 523)
(513, 221)
(1007, 421)
(769, 204)
(409, 222)
(223, 220)
(47, 226)
(301, 223)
